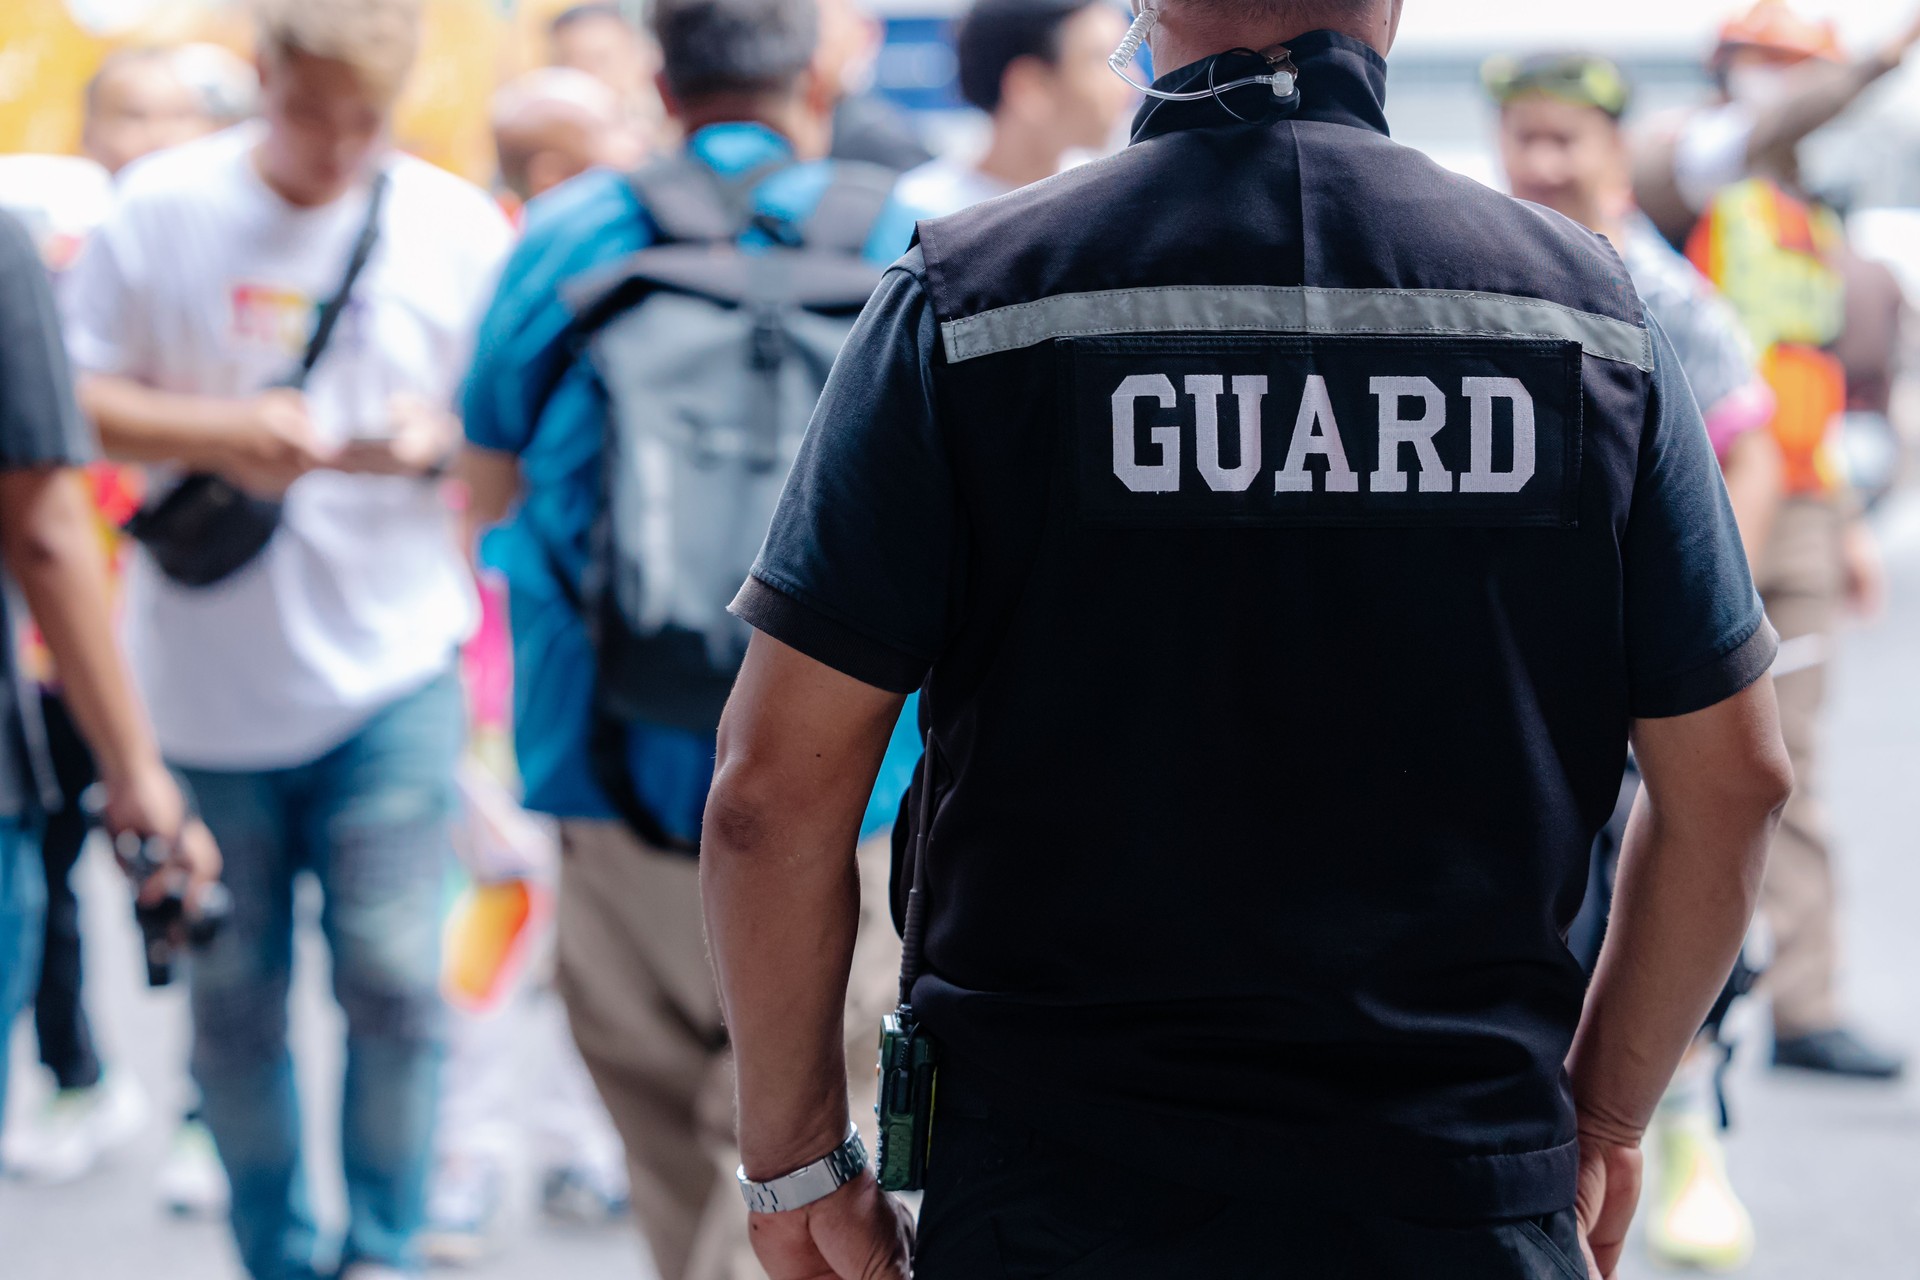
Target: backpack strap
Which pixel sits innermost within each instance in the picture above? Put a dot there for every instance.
(849, 209)
(691, 202)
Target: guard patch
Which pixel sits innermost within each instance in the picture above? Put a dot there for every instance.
(1295, 430)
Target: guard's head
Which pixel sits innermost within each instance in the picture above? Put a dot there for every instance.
(330, 71)
(1040, 67)
(746, 60)
(554, 123)
(1191, 29)
(1560, 135)
(138, 102)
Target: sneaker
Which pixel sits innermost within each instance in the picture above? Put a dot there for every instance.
(463, 1214)
(375, 1271)
(1697, 1219)
(577, 1195)
(76, 1129)
(1839, 1052)
(192, 1181)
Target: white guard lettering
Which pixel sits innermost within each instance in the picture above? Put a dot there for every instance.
(1396, 431)
(1481, 477)
(1249, 390)
(1316, 433)
(1165, 477)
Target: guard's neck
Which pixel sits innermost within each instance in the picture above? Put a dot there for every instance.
(1184, 34)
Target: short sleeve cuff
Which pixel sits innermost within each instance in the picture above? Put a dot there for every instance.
(799, 625)
(1711, 682)
(43, 456)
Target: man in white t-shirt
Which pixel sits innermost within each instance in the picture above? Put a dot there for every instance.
(309, 696)
(1038, 68)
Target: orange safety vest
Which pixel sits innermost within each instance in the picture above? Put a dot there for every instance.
(1775, 257)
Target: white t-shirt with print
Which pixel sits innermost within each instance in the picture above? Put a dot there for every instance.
(204, 281)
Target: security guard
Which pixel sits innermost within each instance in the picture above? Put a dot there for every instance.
(1287, 535)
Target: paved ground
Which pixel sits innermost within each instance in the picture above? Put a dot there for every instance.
(1831, 1172)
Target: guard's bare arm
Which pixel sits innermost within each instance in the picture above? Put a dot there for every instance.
(1696, 844)
(799, 747)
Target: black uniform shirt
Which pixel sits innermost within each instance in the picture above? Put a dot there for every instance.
(1269, 781)
(40, 426)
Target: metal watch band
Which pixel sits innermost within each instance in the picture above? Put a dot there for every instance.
(809, 1182)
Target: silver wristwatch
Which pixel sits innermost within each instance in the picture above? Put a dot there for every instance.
(809, 1182)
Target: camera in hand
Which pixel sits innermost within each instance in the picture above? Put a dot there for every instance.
(171, 921)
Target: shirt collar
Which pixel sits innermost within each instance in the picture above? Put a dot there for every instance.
(1342, 81)
(738, 146)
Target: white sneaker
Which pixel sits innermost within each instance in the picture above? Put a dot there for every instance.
(463, 1213)
(77, 1128)
(192, 1182)
(375, 1271)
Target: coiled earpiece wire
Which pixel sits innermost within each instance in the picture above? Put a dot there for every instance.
(1281, 80)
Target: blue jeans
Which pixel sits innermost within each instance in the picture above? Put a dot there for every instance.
(23, 903)
(369, 820)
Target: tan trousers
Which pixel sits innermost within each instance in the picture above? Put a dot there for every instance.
(632, 969)
(1802, 582)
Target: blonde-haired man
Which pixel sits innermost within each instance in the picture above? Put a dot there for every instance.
(307, 694)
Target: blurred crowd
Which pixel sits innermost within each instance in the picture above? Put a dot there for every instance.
(352, 413)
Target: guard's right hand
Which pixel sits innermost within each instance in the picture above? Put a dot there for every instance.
(1607, 1191)
(857, 1233)
(270, 443)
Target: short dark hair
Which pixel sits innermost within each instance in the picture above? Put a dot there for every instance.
(585, 13)
(710, 47)
(995, 34)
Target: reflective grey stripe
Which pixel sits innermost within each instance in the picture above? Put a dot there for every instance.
(1292, 309)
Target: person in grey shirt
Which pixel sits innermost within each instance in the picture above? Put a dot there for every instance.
(51, 553)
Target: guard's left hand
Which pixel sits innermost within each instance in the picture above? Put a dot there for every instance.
(422, 441)
(857, 1233)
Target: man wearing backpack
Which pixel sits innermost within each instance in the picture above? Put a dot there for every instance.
(642, 381)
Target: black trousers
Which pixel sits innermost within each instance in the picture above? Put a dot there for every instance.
(1006, 1203)
(59, 1018)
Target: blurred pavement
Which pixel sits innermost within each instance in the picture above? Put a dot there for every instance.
(1831, 1171)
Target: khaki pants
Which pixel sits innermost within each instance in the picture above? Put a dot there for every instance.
(1802, 582)
(632, 969)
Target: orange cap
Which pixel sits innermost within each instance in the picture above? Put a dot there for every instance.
(1773, 26)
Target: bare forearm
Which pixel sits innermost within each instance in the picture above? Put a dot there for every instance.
(1687, 889)
(139, 424)
(54, 552)
(782, 904)
(1822, 92)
